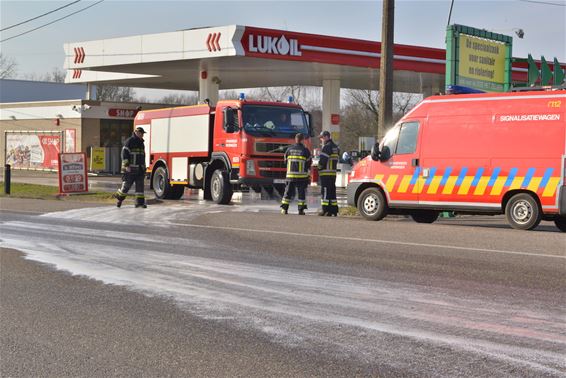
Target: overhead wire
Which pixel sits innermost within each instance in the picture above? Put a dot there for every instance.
(52, 22)
(544, 3)
(41, 15)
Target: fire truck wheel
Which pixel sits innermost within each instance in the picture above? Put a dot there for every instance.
(560, 222)
(425, 216)
(160, 181)
(523, 212)
(372, 204)
(220, 188)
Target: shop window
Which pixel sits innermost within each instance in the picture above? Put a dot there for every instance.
(114, 132)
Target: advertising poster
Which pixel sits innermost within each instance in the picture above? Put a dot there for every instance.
(97, 158)
(73, 175)
(33, 150)
(70, 140)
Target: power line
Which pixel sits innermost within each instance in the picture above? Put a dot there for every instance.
(52, 22)
(543, 2)
(41, 15)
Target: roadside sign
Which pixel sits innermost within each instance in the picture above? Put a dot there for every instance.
(97, 158)
(72, 173)
(478, 59)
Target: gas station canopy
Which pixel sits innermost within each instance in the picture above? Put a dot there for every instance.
(238, 56)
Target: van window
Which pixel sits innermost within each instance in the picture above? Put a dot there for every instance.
(408, 138)
(390, 139)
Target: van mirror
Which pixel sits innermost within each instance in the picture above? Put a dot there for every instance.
(385, 154)
(230, 120)
(375, 153)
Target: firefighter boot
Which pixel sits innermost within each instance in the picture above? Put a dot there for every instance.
(302, 209)
(119, 199)
(284, 208)
(334, 210)
(323, 211)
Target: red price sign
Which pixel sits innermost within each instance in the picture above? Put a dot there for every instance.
(72, 173)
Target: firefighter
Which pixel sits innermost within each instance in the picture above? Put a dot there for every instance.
(327, 165)
(298, 161)
(133, 168)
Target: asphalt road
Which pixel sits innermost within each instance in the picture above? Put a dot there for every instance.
(189, 289)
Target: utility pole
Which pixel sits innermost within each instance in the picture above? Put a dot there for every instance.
(385, 118)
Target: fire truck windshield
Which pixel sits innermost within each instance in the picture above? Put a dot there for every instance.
(275, 121)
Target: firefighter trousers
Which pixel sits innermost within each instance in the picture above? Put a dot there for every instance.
(328, 194)
(128, 179)
(301, 188)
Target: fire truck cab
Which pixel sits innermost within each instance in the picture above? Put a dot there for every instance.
(478, 153)
(236, 145)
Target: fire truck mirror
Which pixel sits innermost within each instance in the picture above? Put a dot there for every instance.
(309, 123)
(230, 120)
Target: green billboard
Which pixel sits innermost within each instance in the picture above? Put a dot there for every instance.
(478, 59)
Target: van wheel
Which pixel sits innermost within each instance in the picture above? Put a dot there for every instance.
(372, 204)
(220, 188)
(523, 212)
(425, 216)
(560, 222)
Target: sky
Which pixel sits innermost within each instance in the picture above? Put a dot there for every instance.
(417, 22)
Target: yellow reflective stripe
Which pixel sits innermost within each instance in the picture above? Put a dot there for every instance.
(390, 184)
(404, 184)
(433, 187)
(551, 187)
(466, 183)
(482, 185)
(450, 183)
(379, 177)
(296, 157)
(327, 174)
(534, 184)
(292, 175)
(419, 185)
(516, 184)
(334, 156)
(498, 187)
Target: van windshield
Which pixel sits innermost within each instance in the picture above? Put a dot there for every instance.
(274, 121)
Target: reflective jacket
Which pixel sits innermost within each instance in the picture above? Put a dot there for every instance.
(133, 153)
(328, 162)
(298, 162)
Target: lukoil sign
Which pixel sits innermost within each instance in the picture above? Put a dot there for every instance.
(274, 45)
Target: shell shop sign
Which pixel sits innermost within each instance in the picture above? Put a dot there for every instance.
(265, 44)
(122, 113)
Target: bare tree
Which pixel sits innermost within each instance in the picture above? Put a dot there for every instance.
(113, 93)
(361, 113)
(8, 67)
(179, 99)
(309, 97)
(57, 75)
(403, 102)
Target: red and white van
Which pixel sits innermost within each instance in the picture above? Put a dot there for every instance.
(478, 153)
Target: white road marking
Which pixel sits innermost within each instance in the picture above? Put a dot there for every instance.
(325, 236)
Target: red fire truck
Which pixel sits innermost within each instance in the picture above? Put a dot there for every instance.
(237, 144)
(477, 153)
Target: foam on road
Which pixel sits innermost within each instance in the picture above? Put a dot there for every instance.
(364, 318)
